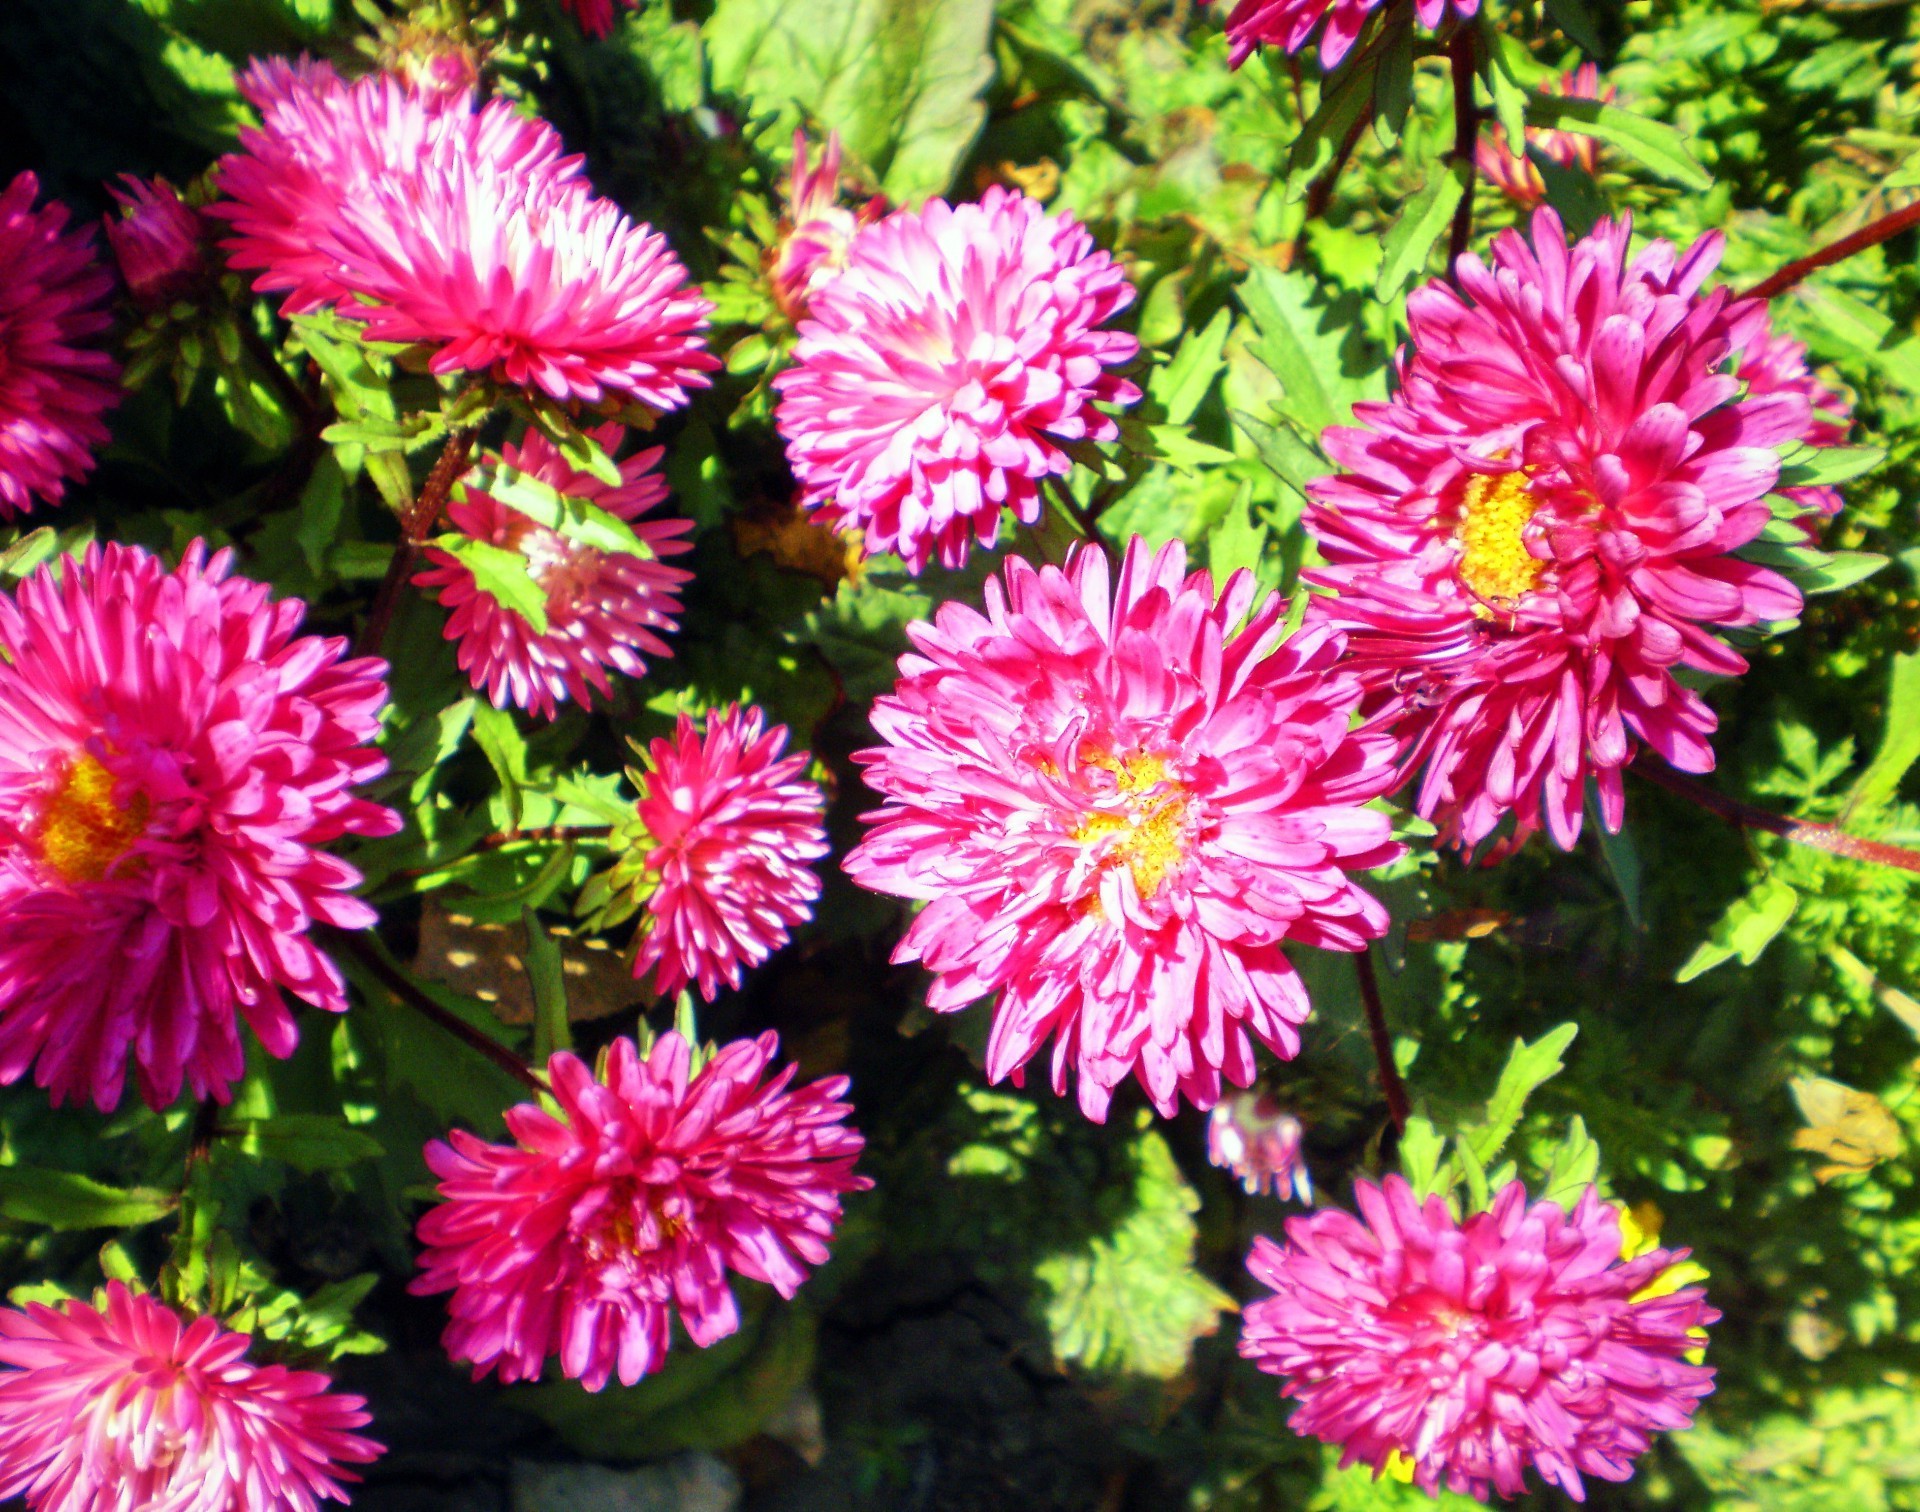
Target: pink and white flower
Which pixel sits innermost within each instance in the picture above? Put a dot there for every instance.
(1289, 24)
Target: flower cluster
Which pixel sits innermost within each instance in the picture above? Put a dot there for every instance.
(1119, 801)
(1515, 175)
(1516, 1339)
(586, 1236)
(1540, 528)
(939, 372)
(1290, 24)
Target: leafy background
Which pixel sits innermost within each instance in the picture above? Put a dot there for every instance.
(1030, 1311)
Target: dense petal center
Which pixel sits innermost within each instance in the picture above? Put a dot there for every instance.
(1150, 830)
(1495, 510)
(84, 831)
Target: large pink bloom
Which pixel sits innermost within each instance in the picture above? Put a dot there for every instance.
(584, 1236)
(603, 608)
(1772, 362)
(1517, 1338)
(1288, 24)
(124, 1407)
(1119, 802)
(55, 378)
(1517, 177)
(173, 760)
(323, 142)
(1539, 528)
(940, 370)
(728, 830)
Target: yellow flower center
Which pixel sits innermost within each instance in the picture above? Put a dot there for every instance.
(1494, 560)
(83, 832)
(1150, 835)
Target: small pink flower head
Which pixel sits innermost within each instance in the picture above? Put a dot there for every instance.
(56, 381)
(1774, 363)
(1288, 24)
(174, 762)
(937, 374)
(158, 240)
(1250, 1135)
(1540, 528)
(1516, 177)
(123, 1406)
(604, 609)
(1119, 803)
(1518, 1338)
(721, 849)
(584, 1236)
(323, 143)
(816, 229)
(595, 17)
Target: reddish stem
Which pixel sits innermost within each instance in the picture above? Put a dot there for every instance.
(1871, 235)
(414, 530)
(1823, 837)
(1390, 1082)
(1466, 132)
(1320, 195)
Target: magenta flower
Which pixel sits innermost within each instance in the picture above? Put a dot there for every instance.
(56, 381)
(1518, 1338)
(603, 608)
(1539, 528)
(123, 1406)
(1774, 363)
(174, 760)
(939, 371)
(158, 240)
(816, 229)
(1516, 177)
(720, 850)
(1119, 803)
(584, 1236)
(323, 143)
(1252, 1137)
(594, 17)
(1287, 24)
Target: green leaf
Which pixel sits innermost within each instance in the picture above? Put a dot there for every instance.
(506, 575)
(499, 738)
(1421, 1152)
(1182, 383)
(1573, 18)
(1842, 569)
(1653, 144)
(305, 1141)
(68, 1200)
(1294, 347)
(577, 447)
(1814, 466)
(575, 519)
(35, 547)
(1293, 461)
(1528, 1068)
(546, 975)
(1508, 74)
(1422, 221)
(1746, 929)
(1899, 740)
(1575, 1164)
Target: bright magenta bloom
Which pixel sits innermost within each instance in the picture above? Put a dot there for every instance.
(1517, 1338)
(158, 240)
(1118, 803)
(1254, 1138)
(584, 1236)
(603, 607)
(816, 229)
(594, 17)
(1539, 528)
(1287, 24)
(125, 1407)
(1774, 363)
(56, 381)
(174, 759)
(941, 368)
(323, 143)
(1516, 177)
(730, 830)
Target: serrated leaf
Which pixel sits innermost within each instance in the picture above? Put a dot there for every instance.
(1653, 144)
(1575, 1164)
(506, 576)
(546, 976)
(505, 748)
(1421, 1152)
(1183, 382)
(1529, 1066)
(68, 1200)
(1422, 221)
(1746, 929)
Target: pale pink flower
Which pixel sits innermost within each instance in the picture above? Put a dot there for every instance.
(1772, 362)
(158, 240)
(721, 848)
(595, 17)
(816, 229)
(56, 379)
(587, 1234)
(1518, 1338)
(1517, 177)
(604, 608)
(1252, 1136)
(174, 761)
(1119, 803)
(124, 1406)
(1540, 527)
(1288, 24)
(940, 370)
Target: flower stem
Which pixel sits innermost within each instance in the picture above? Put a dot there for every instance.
(414, 530)
(1823, 837)
(1390, 1082)
(1870, 235)
(1466, 129)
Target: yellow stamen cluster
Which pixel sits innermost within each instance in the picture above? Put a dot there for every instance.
(1494, 560)
(83, 832)
(1151, 836)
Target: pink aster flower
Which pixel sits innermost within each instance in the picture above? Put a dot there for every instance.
(941, 369)
(816, 230)
(55, 379)
(123, 1406)
(584, 1236)
(323, 143)
(173, 760)
(1516, 177)
(1255, 1139)
(1119, 802)
(158, 240)
(721, 849)
(1518, 1338)
(1287, 24)
(1539, 528)
(1774, 363)
(595, 17)
(603, 608)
